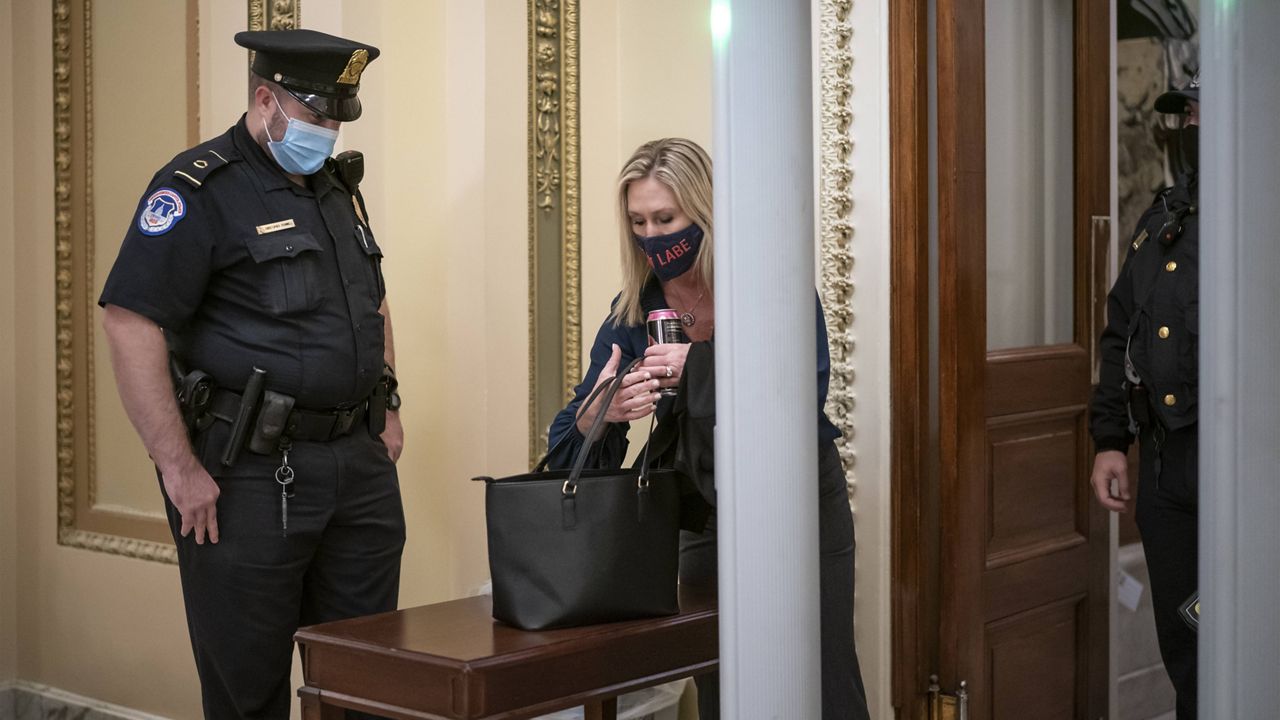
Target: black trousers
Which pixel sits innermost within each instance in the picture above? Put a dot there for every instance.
(843, 695)
(1167, 521)
(246, 595)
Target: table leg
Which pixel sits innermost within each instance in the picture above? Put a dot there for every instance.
(606, 709)
(314, 709)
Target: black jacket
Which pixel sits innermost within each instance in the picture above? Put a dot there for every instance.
(1153, 313)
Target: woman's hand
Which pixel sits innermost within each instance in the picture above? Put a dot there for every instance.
(666, 363)
(637, 397)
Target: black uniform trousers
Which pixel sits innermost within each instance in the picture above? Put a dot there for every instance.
(843, 695)
(246, 595)
(1167, 521)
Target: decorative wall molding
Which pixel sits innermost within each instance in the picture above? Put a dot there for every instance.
(82, 521)
(275, 14)
(555, 314)
(835, 204)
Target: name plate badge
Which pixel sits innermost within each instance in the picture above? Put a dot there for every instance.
(276, 226)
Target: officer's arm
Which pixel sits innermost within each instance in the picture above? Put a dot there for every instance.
(393, 435)
(1109, 413)
(389, 345)
(140, 359)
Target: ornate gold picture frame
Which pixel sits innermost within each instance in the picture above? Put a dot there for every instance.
(84, 519)
(555, 315)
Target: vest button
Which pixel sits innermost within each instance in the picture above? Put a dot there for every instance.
(1170, 266)
(1170, 400)
(1164, 331)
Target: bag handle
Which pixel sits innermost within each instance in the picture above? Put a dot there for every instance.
(602, 387)
(570, 487)
(614, 385)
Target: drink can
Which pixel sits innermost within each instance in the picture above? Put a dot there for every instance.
(664, 327)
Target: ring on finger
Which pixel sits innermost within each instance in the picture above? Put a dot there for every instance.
(670, 372)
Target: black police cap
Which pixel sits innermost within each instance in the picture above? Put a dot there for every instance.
(322, 71)
(1174, 102)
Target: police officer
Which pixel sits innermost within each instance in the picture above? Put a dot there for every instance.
(1148, 391)
(251, 269)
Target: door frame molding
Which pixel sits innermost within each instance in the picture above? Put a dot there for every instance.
(914, 565)
(962, 303)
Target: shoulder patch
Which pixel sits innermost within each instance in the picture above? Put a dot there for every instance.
(195, 172)
(161, 211)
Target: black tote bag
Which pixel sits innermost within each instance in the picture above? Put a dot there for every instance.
(580, 547)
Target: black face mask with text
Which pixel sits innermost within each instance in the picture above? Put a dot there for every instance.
(672, 255)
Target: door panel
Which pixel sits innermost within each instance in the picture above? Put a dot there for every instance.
(1033, 507)
(1050, 575)
(1021, 177)
(1032, 658)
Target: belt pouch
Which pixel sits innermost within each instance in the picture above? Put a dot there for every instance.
(272, 419)
(1140, 405)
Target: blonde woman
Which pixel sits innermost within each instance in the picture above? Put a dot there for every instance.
(667, 245)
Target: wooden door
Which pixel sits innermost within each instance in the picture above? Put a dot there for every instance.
(1007, 588)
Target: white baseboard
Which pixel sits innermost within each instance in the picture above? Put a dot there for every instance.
(53, 697)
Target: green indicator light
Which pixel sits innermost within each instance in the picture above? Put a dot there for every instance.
(721, 20)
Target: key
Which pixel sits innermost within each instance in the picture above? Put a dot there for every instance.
(284, 476)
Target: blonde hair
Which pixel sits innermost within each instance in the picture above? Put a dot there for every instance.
(685, 168)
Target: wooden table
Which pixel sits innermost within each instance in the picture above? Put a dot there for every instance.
(453, 661)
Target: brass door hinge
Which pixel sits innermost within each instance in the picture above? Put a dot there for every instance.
(945, 706)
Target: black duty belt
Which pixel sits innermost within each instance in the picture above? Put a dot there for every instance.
(302, 425)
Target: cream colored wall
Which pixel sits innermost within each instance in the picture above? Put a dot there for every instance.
(91, 623)
(8, 352)
(444, 133)
(126, 154)
(645, 74)
(445, 137)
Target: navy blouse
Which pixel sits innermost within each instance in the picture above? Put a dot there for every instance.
(633, 340)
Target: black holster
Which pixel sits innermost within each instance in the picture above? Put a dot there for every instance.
(1140, 406)
(193, 392)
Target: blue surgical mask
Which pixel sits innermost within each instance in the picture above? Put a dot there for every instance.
(304, 147)
(672, 255)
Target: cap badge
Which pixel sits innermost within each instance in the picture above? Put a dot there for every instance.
(351, 73)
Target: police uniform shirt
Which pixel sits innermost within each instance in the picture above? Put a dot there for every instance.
(243, 267)
(1153, 315)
